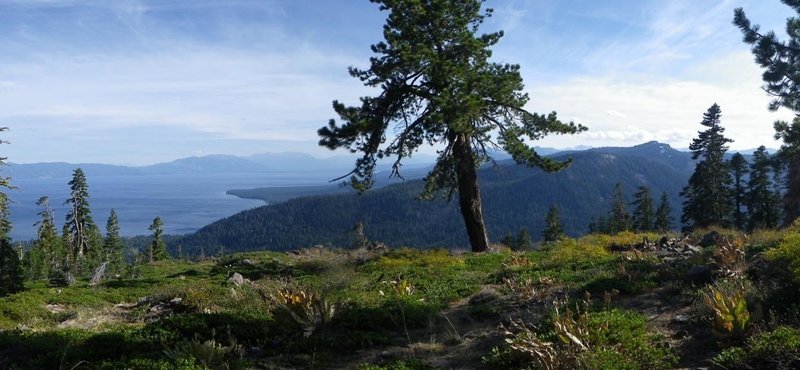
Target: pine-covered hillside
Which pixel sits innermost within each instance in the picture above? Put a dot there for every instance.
(515, 197)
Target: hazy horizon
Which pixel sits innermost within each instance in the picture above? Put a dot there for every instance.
(344, 155)
(141, 82)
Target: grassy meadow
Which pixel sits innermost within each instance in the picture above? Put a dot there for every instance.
(716, 298)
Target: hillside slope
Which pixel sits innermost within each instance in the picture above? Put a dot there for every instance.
(514, 197)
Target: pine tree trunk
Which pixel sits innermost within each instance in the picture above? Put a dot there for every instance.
(469, 196)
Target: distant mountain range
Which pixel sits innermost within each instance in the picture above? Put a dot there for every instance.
(210, 164)
(514, 197)
(220, 163)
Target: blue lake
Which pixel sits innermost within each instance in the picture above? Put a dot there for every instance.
(184, 202)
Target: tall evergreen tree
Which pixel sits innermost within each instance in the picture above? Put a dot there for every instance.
(642, 210)
(113, 246)
(82, 229)
(778, 182)
(598, 225)
(553, 229)
(5, 183)
(762, 202)
(663, 221)
(158, 248)
(11, 274)
(708, 196)
(47, 253)
(781, 80)
(523, 240)
(618, 219)
(438, 86)
(738, 166)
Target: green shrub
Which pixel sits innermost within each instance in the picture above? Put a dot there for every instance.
(788, 251)
(777, 349)
(571, 251)
(763, 239)
(430, 258)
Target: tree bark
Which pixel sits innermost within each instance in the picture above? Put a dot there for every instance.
(469, 196)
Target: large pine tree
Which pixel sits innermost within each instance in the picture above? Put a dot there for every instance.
(47, 253)
(781, 80)
(707, 196)
(739, 170)
(663, 220)
(158, 248)
(762, 201)
(82, 229)
(553, 229)
(11, 274)
(618, 219)
(439, 87)
(113, 246)
(642, 210)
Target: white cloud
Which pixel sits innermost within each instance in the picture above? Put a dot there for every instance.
(664, 109)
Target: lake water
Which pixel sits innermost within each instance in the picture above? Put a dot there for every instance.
(184, 202)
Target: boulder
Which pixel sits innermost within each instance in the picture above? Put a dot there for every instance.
(690, 249)
(236, 279)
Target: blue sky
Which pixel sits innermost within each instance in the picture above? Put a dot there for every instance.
(139, 82)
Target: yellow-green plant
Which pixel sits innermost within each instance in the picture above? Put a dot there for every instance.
(729, 305)
(576, 251)
(400, 287)
(405, 257)
(307, 308)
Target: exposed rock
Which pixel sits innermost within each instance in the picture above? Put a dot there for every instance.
(669, 260)
(54, 308)
(166, 308)
(236, 279)
(688, 248)
(247, 262)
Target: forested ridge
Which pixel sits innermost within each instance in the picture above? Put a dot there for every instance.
(515, 197)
